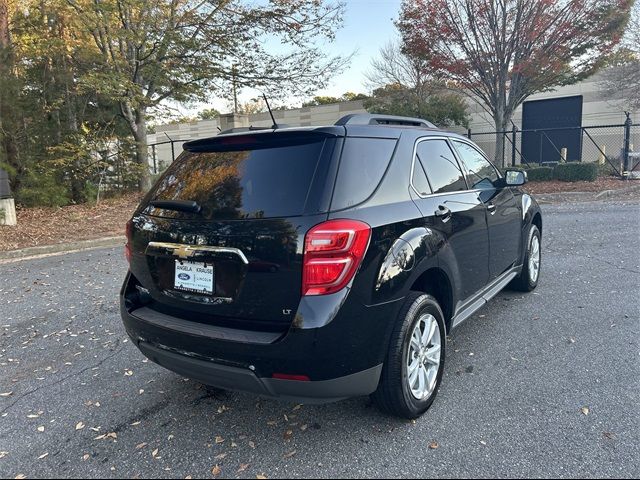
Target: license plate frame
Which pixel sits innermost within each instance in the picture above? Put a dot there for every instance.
(194, 277)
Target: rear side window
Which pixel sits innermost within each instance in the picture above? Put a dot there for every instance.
(243, 183)
(443, 171)
(362, 166)
(480, 173)
(419, 178)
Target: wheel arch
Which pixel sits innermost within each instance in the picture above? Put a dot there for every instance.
(434, 281)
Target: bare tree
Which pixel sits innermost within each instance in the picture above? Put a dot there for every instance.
(403, 85)
(622, 81)
(392, 66)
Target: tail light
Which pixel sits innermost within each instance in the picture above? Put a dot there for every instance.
(333, 251)
(127, 247)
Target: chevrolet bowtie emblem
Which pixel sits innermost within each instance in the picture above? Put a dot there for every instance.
(183, 251)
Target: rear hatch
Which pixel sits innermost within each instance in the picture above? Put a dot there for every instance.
(219, 238)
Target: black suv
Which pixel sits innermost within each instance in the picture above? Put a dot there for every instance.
(320, 263)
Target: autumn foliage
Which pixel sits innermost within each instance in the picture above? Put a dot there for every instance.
(501, 52)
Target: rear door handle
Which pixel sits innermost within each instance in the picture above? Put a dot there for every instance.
(443, 212)
(492, 208)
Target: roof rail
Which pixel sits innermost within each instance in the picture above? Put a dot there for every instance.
(375, 119)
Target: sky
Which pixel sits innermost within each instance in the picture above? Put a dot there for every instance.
(368, 25)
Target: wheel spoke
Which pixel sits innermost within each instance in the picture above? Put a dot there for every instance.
(413, 377)
(413, 366)
(415, 342)
(422, 381)
(429, 329)
(431, 376)
(433, 355)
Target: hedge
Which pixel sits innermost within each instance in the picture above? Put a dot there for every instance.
(575, 172)
(539, 174)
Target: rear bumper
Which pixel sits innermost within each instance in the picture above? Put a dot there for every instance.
(335, 341)
(245, 380)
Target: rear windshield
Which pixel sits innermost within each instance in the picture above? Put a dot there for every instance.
(264, 181)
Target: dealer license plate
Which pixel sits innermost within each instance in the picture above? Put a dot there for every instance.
(195, 277)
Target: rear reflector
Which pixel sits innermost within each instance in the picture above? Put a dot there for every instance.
(127, 247)
(333, 251)
(297, 378)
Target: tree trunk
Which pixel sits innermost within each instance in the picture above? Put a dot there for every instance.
(142, 151)
(501, 122)
(8, 147)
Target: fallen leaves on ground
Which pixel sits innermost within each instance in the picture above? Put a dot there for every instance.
(434, 445)
(243, 467)
(290, 454)
(216, 471)
(47, 226)
(585, 410)
(79, 426)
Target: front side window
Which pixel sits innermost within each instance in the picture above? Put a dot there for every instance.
(480, 173)
(441, 167)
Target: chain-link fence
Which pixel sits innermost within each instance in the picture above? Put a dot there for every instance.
(616, 146)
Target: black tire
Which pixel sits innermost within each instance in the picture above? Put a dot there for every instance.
(393, 395)
(523, 282)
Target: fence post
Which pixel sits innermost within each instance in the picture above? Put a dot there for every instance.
(155, 163)
(514, 132)
(469, 133)
(627, 141)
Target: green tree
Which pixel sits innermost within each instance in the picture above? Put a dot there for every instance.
(208, 114)
(157, 50)
(441, 107)
(327, 100)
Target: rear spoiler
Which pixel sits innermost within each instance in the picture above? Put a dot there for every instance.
(258, 139)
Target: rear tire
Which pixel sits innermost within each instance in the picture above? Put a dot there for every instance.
(399, 392)
(530, 274)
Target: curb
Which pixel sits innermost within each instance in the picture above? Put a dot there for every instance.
(63, 248)
(610, 193)
(584, 196)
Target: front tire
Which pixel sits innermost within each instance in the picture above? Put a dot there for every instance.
(413, 368)
(530, 274)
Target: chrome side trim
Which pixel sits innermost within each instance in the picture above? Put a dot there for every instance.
(482, 298)
(187, 251)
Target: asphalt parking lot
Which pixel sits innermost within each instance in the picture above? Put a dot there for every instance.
(544, 384)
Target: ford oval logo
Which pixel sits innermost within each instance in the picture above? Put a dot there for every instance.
(183, 276)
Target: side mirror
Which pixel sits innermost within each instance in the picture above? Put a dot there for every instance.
(514, 178)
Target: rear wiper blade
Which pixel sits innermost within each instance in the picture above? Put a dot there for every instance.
(179, 205)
